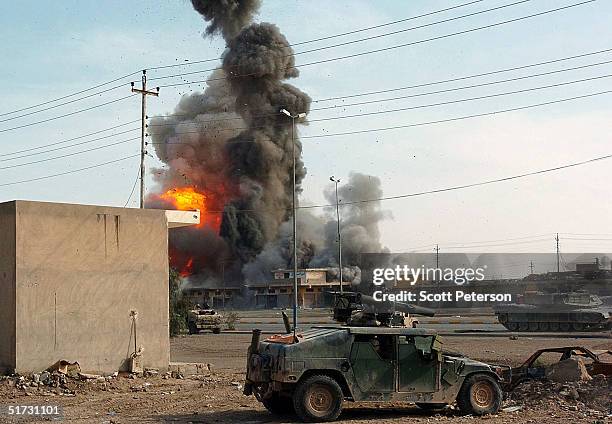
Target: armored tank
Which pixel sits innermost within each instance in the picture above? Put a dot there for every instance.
(555, 312)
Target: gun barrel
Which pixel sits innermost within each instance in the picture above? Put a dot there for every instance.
(396, 306)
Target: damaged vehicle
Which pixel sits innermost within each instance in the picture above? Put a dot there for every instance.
(314, 372)
(535, 367)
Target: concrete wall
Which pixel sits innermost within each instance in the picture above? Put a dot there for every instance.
(7, 287)
(80, 270)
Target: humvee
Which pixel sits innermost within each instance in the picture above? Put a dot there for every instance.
(204, 318)
(329, 365)
(313, 372)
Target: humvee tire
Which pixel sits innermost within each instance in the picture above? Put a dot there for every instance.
(279, 405)
(480, 394)
(216, 330)
(191, 326)
(317, 399)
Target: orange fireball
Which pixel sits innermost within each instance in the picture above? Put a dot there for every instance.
(187, 198)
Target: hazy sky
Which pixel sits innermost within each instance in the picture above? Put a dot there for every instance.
(53, 48)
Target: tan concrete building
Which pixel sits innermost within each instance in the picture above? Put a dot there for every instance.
(278, 291)
(70, 277)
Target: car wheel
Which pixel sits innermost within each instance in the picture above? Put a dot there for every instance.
(216, 330)
(279, 405)
(480, 394)
(317, 399)
(432, 406)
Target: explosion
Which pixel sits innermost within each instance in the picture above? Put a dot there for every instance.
(187, 198)
(229, 152)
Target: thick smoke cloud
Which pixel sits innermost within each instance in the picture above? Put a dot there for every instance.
(226, 17)
(232, 143)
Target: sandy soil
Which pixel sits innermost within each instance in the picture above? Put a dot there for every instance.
(217, 396)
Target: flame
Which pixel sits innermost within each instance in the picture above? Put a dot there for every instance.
(187, 198)
(187, 269)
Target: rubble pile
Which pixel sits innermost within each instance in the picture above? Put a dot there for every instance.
(591, 396)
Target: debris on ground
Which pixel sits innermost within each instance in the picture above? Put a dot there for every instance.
(590, 397)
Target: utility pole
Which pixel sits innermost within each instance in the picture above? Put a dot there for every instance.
(337, 181)
(437, 249)
(558, 254)
(295, 268)
(143, 91)
(531, 268)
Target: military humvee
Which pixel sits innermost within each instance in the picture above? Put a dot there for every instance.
(312, 373)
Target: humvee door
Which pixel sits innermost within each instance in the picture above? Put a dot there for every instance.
(418, 359)
(372, 361)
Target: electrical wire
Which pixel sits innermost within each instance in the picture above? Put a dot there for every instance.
(329, 36)
(440, 82)
(62, 104)
(68, 146)
(76, 93)
(42, 146)
(293, 54)
(70, 154)
(69, 172)
(133, 188)
(384, 49)
(418, 124)
(66, 114)
(465, 186)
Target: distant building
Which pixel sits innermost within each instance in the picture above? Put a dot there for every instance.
(278, 291)
(215, 294)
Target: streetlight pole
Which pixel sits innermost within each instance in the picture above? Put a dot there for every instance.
(337, 181)
(294, 207)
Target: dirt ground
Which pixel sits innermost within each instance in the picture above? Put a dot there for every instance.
(216, 397)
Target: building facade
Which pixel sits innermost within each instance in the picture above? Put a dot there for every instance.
(84, 283)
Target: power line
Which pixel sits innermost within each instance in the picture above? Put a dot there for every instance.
(71, 139)
(411, 28)
(464, 186)
(68, 172)
(381, 49)
(447, 189)
(448, 90)
(459, 118)
(133, 188)
(68, 146)
(293, 54)
(418, 124)
(62, 104)
(69, 154)
(76, 93)
(66, 114)
(440, 82)
(329, 36)
(469, 99)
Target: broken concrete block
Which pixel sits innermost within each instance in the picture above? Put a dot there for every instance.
(188, 368)
(571, 369)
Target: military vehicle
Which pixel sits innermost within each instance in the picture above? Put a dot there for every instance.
(555, 312)
(368, 359)
(204, 318)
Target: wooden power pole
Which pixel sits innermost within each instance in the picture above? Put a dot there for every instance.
(143, 91)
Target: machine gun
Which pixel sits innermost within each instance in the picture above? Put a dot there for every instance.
(351, 308)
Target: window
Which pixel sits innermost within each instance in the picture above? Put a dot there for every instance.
(283, 290)
(287, 275)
